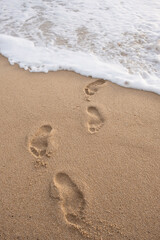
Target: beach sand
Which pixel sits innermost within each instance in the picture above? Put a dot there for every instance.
(79, 158)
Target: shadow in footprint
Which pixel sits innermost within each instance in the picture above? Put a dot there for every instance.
(72, 199)
(92, 88)
(96, 121)
(39, 144)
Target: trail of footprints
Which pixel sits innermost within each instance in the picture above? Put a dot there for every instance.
(95, 118)
(40, 144)
(70, 197)
(62, 188)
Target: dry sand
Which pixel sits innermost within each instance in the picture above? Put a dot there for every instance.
(79, 158)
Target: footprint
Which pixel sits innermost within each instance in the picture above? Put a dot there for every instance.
(40, 143)
(73, 206)
(70, 196)
(96, 121)
(92, 88)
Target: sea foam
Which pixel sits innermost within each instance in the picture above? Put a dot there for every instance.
(115, 40)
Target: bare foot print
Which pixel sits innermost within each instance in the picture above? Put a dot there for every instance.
(40, 143)
(92, 88)
(72, 203)
(96, 121)
(72, 199)
(73, 206)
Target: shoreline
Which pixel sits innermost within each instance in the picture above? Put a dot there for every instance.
(79, 158)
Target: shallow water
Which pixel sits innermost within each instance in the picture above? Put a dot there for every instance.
(114, 40)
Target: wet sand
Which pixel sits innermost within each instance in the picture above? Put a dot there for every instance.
(79, 158)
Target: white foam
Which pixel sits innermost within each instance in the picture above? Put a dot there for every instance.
(114, 40)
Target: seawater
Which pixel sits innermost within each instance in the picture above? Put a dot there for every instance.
(116, 40)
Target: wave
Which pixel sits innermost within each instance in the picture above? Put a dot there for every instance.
(115, 40)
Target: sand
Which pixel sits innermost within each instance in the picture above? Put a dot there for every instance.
(79, 158)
